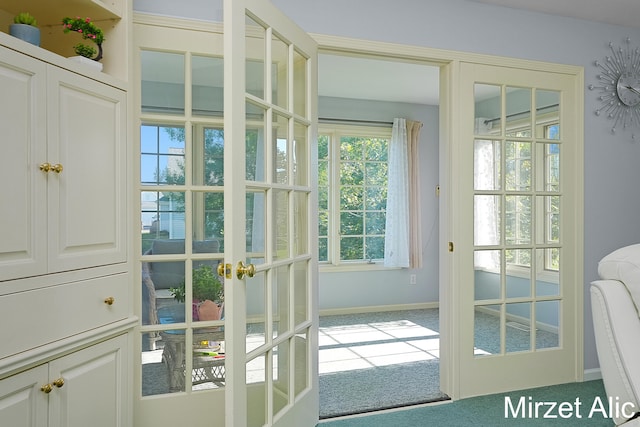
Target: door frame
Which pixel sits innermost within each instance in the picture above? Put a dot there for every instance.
(449, 145)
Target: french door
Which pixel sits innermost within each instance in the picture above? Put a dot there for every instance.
(272, 323)
(519, 254)
(227, 161)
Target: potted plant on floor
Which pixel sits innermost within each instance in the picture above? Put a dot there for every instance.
(25, 27)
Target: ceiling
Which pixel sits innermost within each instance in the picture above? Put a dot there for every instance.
(615, 12)
(373, 79)
(377, 79)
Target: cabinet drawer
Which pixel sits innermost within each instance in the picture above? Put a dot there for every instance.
(42, 316)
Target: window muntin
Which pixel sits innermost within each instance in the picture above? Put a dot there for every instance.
(352, 193)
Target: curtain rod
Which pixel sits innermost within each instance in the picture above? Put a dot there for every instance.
(509, 116)
(355, 121)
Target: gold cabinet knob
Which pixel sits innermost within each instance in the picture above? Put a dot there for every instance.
(47, 388)
(109, 300)
(221, 269)
(241, 270)
(59, 382)
(48, 167)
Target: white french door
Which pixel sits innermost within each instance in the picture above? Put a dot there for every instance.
(227, 170)
(270, 103)
(519, 257)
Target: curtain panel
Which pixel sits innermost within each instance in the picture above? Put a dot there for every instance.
(403, 245)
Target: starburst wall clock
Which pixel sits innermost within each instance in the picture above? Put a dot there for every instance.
(618, 85)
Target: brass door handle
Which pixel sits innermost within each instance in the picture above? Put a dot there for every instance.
(224, 270)
(57, 168)
(241, 270)
(59, 382)
(109, 300)
(47, 388)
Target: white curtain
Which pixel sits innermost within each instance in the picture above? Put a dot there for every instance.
(485, 222)
(396, 242)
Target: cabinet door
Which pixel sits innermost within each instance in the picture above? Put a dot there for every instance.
(22, 403)
(23, 189)
(87, 198)
(95, 389)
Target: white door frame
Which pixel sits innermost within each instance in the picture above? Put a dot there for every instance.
(450, 97)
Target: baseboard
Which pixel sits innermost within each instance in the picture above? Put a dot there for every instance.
(378, 308)
(592, 374)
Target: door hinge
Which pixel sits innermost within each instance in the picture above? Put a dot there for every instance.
(450, 246)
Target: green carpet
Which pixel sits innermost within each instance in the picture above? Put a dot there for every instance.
(489, 411)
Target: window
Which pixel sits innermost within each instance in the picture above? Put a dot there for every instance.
(352, 189)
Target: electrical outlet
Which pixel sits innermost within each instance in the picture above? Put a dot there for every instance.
(412, 279)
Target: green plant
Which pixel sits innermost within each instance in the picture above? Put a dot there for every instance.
(205, 286)
(89, 31)
(25, 18)
(84, 50)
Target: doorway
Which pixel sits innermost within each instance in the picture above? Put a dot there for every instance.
(366, 331)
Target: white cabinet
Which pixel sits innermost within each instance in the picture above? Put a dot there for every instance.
(84, 388)
(64, 173)
(65, 278)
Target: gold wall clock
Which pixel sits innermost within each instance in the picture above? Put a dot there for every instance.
(618, 85)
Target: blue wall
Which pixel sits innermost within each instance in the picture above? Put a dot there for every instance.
(466, 26)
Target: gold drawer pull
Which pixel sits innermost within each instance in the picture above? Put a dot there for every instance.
(45, 167)
(59, 382)
(47, 388)
(57, 168)
(109, 300)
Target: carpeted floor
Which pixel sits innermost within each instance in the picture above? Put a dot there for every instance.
(374, 361)
(489, 411)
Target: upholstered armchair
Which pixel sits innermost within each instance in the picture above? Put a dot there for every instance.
(615, 302)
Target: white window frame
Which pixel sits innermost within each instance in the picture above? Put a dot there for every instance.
(335, 132)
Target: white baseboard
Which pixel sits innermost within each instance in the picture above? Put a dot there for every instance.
(592, 374)
(378, 308)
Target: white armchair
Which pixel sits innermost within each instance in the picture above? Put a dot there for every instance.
(615, 302)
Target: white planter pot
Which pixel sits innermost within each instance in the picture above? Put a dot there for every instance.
(89, 62)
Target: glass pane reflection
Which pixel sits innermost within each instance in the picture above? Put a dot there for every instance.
(207, 86)
(487, 330)
(280, 69)
(518, 112)
(548, 324)
(488, 109)
(162, 82)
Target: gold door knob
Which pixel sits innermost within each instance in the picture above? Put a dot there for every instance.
(109, 300)
(241, 270)
(221, 269)
(47, 388)
(57, 168)
(45, 167)
(59, 382)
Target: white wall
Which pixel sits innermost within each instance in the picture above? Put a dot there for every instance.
(611, 161)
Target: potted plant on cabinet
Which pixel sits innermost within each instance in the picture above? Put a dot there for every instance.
(25, 27)
(206, 289)
(89, 31)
